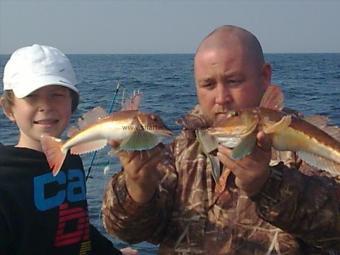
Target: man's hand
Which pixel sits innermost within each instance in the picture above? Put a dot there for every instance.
(129, 251)
(140, 170)
(252, 171)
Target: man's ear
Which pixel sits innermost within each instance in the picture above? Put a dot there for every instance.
(266, 75)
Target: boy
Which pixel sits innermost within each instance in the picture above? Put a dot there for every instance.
(39, 213)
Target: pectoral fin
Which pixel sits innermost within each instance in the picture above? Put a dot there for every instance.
(245, 147)
(207, 142)
(138, 141)
(215, 166)
(278, 126)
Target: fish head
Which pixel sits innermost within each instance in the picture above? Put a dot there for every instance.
(153, 124)
(235, 124)
(235, 127)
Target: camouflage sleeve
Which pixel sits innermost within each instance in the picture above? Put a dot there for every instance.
(305, 206)
(134, 222)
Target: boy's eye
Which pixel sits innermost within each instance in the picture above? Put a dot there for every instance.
(59, 93)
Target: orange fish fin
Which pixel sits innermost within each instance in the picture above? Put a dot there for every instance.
(88, 146)
(322, 122)
(91, 117)
(321, 163)
(72, 131)
(273, 98)
(132, 103)
(278, 126)
(52, 147)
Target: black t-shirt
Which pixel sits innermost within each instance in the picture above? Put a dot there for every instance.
(45, 214)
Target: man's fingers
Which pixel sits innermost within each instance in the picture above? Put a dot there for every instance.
(138, 159)
(264, 141)
(113, 144)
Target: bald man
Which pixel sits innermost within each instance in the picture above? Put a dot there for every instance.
(192, 200)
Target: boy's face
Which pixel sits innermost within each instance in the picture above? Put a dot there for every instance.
(45, 111)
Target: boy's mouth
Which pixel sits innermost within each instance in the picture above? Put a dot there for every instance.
(46, 122)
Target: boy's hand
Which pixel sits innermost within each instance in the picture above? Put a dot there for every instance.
(252, 171)
(140, 170)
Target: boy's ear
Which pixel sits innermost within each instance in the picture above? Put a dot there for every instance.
(9, 114)
(7, 111)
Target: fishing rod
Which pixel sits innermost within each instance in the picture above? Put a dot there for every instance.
(110, 110)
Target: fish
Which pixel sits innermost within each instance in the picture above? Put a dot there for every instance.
(132, 129)
(311, 138)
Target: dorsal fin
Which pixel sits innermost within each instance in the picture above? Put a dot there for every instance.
(273, 98)
(322, 122)
(91, 117)
(133, 102)
(319, 121)
(86, 120)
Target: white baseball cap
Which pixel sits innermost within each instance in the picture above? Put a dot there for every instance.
(33, 67)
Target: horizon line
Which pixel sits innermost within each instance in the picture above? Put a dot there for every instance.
(177, 53)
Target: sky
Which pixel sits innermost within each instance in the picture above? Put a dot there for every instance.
(166, 26)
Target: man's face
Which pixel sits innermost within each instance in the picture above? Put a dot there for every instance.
(226, 79)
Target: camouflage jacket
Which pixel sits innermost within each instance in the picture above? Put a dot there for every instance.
(296, 212)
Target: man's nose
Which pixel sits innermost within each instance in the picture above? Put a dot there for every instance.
(223, 94)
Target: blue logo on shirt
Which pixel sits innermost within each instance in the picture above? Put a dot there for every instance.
(51, 191)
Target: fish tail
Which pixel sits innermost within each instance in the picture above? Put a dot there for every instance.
(52, 147)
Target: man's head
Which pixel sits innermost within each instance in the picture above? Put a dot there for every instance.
(230, 71)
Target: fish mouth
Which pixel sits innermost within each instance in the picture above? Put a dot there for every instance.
(221, 116)
(215, 131)
(163, 132)
(160, 132)
(229, 133)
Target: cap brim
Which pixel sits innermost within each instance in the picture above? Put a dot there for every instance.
(24, 90)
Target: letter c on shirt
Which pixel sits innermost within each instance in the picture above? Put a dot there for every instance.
(51, 191)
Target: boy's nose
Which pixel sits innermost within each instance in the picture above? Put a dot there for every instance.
(44, 104)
